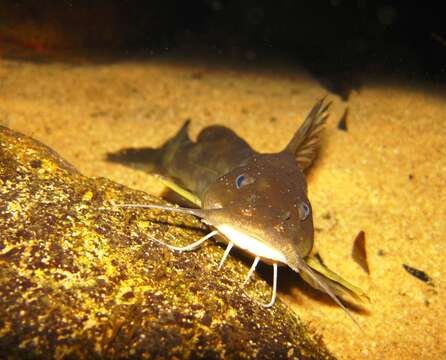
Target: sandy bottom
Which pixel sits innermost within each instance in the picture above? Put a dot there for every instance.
(386, 175)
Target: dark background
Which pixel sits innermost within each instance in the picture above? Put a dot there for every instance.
(338, 41)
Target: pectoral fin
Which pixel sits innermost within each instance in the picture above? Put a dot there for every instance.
(179, 190)
(338, 285)
(306, 140)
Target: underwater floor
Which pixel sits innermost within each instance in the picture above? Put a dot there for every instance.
(385, 175)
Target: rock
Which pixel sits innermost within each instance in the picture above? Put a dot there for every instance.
(82, 279)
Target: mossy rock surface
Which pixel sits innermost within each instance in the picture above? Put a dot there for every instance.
(81, 279)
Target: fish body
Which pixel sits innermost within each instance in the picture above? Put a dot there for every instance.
(258, 201)
(244, 188)
(197, 165)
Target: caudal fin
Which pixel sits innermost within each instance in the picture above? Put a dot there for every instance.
(145, 159)
(149, 159)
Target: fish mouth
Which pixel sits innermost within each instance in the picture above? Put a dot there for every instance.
(251, 244)
(242, 239)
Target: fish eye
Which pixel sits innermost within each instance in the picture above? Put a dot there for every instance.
(304, 211)
(239, 181)
(243, 180)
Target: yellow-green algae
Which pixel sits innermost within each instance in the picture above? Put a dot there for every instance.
(82, 279)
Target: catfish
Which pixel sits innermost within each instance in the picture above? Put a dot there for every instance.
(256, 201)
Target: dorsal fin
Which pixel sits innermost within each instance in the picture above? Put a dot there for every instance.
(305, 141)
(169, 149)
(183, 134)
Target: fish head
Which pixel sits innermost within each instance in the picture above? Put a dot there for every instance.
(262, 207)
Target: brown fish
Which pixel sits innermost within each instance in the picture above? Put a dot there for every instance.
(257, 201)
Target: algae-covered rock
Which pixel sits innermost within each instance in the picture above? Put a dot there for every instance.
(80, 278)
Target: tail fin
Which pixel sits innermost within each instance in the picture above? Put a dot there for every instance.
(145, 159)
(305, 141)
(149, 159)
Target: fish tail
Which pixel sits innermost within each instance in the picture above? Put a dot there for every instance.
(152, 160)
(146, 159)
